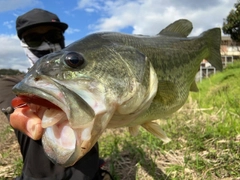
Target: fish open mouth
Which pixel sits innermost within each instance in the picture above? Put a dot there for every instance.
(58, 139)
(46, 110)
(24, 100)
(72, 119)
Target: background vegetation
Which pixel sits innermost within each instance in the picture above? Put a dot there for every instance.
(205, 137)
(10, 72)
(231, 25)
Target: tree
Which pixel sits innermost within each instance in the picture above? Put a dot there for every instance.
(231, 25)
(10, 72)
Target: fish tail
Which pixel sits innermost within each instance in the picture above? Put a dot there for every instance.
(213, 38)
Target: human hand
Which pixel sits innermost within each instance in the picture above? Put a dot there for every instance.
(26, 121)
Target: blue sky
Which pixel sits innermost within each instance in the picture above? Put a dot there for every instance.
(87, 16)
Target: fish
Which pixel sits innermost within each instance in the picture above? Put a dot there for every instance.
(111, 80)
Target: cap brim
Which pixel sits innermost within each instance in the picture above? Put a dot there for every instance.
(60, 25)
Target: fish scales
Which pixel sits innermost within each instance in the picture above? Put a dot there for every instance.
(111, 80)
(179, 58)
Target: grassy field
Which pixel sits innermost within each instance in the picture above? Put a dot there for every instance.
(205, 139)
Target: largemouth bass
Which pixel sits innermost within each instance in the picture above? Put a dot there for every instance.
(111, 80)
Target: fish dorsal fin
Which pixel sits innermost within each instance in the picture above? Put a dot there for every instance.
(179, 28)
(194, 87)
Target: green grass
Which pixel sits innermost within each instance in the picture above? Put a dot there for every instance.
(10, 159)
(205, 137)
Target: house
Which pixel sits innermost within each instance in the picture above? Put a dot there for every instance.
(230, 51)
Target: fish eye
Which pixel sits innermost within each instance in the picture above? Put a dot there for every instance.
(74, 60)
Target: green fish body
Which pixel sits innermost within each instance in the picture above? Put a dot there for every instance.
(111, 80)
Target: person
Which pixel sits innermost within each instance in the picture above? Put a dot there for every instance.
(41, 32)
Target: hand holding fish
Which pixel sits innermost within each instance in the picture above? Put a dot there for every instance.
(27, 117)
(26, 121)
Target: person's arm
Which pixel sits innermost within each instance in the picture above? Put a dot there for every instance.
(22, 119)
(6, 94)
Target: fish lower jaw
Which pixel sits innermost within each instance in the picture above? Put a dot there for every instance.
(63, 144)
(59, 142)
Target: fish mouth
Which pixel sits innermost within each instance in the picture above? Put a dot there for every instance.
(59, 138)
(67, 136)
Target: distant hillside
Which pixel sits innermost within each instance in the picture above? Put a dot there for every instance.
(10, 72)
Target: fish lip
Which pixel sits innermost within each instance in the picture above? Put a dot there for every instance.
(29, 92)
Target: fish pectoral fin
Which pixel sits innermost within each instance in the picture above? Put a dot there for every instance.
(194, 87)
(156, 130)
(179, 28)
(134, 130)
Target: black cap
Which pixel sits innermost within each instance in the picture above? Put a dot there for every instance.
(37, 17)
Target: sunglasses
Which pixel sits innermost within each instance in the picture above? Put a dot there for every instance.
(36, 39)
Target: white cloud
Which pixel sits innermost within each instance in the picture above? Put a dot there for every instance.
(141, 16)
(150, 16)
(11, 54)
(9, 24)
(72, 30)
(90, 5)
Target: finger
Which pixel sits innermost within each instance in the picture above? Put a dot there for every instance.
(24, 120)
